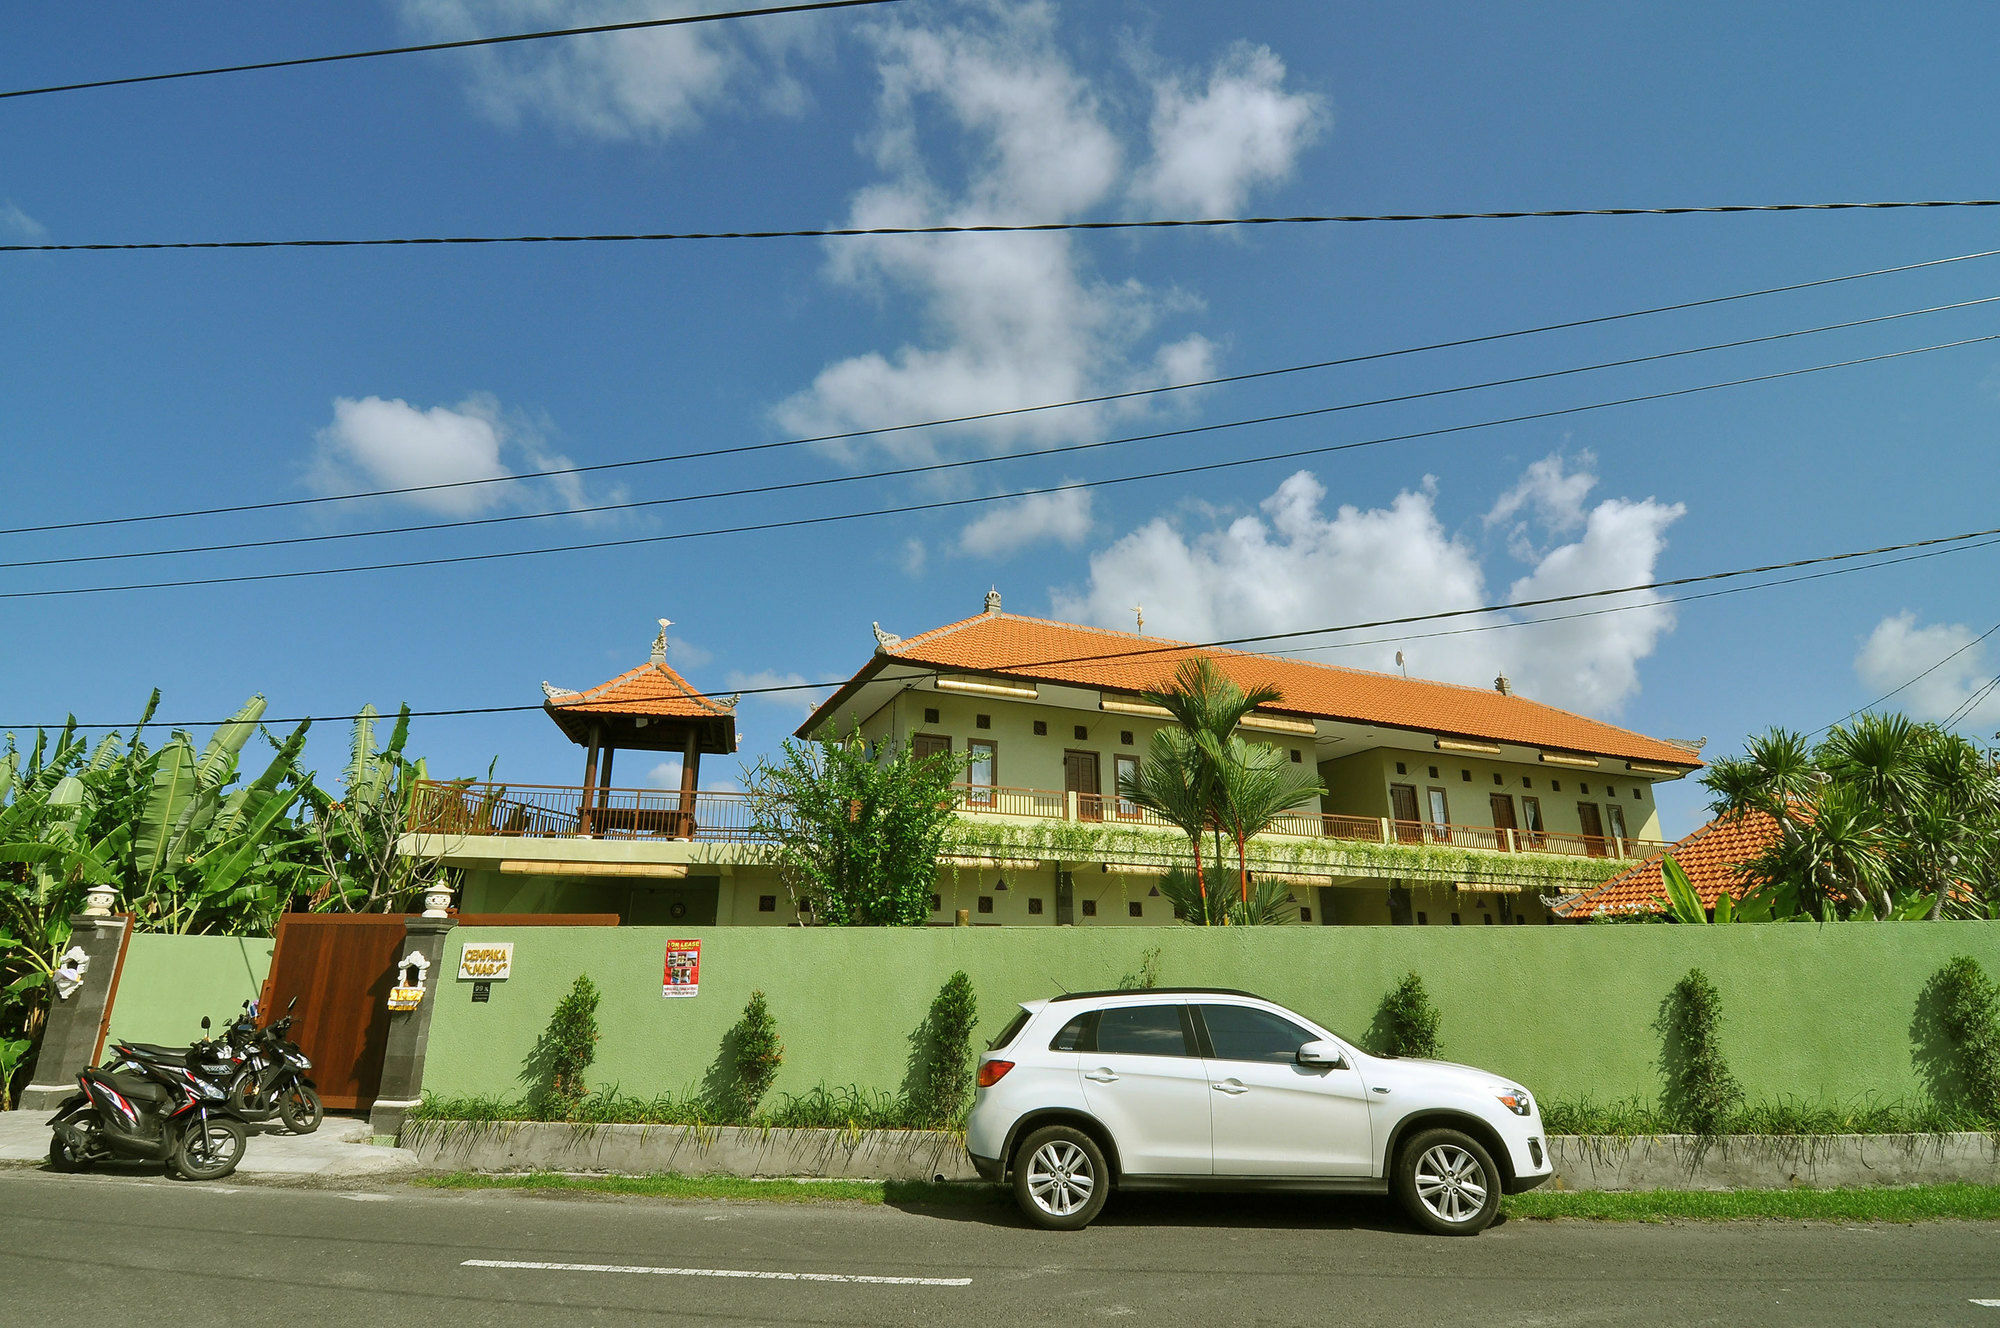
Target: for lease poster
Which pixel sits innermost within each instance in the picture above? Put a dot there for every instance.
(683, 969)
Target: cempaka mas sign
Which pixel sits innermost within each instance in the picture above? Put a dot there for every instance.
(487, 962)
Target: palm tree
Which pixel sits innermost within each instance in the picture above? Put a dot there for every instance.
(1169, 783)
(1254, 784)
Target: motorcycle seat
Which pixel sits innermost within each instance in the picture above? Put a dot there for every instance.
(153, 1052)
(133, 1086)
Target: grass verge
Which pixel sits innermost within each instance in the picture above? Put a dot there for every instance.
(1906, 1203)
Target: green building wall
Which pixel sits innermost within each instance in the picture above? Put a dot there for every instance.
(1817, 1013)
(169, 982)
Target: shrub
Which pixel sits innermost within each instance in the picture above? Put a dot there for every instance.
(1700, 1091)
(1407, 1022)
(756, 1054)
(1968, 1011)
(939, 1084)
(565, 1051)
(1147, 975)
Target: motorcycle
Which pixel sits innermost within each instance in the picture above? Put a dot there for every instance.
(152, 1110)
(270, 1078)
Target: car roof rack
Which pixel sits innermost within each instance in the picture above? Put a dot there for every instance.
(1155, 991)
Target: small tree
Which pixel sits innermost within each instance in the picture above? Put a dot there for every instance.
(566, 1049)
(755, 1055)
(1700, 1093)
(857, 833)
(940, 1079)
(1968, 1009)
(1407, 1023)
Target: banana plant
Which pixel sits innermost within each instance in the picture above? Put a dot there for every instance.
(356, 836)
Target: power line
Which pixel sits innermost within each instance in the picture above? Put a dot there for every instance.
(967, 462)
(944, 504)
(1971, 703)
(993, 228)
(1000, 414)
(1934, 546)
(1909, 683)
(444, 46)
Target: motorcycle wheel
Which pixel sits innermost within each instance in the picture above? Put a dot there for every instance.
(299, 1107)
(64, 1158)
(210, 1149)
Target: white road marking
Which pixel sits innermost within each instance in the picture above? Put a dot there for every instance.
(1989, 1304)
(367, 1198)
(752, 1274)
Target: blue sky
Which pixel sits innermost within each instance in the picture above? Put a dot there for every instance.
(142, 382)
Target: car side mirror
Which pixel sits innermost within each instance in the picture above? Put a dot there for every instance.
(1321, 1054)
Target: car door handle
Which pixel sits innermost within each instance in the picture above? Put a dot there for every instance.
(1232, 1087)
(1101, 1077)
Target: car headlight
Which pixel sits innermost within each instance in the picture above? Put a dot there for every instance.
(1517, 1101)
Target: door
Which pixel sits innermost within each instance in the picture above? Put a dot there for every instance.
(1403, 810)
(1440, 828)
(1593, 828)
(1123, 770)
(341, 969)
(982, 775)
(1531, 821)
(1271, 1116)
(1080, 778)
(1617, 818)
(1142, 1078)
(1503, 818)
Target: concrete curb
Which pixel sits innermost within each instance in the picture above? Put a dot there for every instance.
(693, 1150)
(1582, 1162)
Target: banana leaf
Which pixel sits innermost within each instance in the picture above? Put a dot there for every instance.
(1681, 901)
(361, 762)
(218, 760)
(172, 794)
(230, 821)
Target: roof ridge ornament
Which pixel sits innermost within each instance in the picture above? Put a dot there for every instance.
(885, 641)
(993, 600)
(660, 641)
(552, 691)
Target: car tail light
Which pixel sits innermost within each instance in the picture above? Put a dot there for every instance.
(992, 1072)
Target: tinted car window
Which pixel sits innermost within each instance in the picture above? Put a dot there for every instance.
(1009, 1033)
(1240, 1033)
(1141, 1030)
(1076, 1034)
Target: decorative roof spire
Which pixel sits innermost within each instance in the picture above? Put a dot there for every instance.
(885, 641)
(552, 691)
(1502, 686)
(660, 641)
(993, 600)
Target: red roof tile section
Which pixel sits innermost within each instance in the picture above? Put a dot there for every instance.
(1055, 652)
(651, 689)
(1709, 856)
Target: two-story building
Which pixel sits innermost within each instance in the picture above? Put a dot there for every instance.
(1445, 804)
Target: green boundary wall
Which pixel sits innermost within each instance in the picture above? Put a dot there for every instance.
(170, 982)
(1822, 1014)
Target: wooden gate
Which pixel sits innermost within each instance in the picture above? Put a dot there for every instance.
(341, 969)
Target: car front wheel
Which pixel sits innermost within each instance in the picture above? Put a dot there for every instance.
(1060, 1179)
(1448, 1183)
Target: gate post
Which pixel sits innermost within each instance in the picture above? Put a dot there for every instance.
(402, 1083)
(75, 1027)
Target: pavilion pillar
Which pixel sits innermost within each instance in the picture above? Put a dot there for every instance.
(690, 770)
(589, 783)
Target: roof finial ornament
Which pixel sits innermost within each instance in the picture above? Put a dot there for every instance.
(1502, 686)
(730, 704)
(1139, 612)
(660, 641)
(552, 691)
(885, 641)
(993, 600)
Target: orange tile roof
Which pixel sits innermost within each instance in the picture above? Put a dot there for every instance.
(1709, 856)
(651, 689)
(1056, 652)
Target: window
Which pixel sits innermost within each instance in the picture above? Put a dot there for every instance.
(1041, 728)
(1141, 1030)
(1010, 1032)
(1638, 795)
(1498, 780)
(1124, 737)
(1531, 820)
(1489, 919)
(1440, 813)
(1400, 770)
(1123, 770)
(1090, 908)
(1616, 815)
(930, 715)
(1079, 1034)
(1081, 733)
(1527, 782)
(936, 903)
(769, 903)
(1555, 786)
(1298, 757)
(986, 903)
(984, 772)
(1584, 789)
(1465, 775)
(929, 744)
(1305, 914)
(1434, 772)
(1423, 919)
(1135, 909)
(1034, 906)
(982, 721)
(1454, 920)
(1239, 1033)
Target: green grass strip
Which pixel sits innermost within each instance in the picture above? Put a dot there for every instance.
(1888, 1203)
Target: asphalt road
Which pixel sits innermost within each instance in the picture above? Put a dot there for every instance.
(97, 1249)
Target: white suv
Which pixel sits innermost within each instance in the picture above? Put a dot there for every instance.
(1186, 1087)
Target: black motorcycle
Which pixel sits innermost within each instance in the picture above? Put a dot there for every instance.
(270, 1076)
(152, 1110)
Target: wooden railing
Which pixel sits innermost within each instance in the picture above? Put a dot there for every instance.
(554, 812)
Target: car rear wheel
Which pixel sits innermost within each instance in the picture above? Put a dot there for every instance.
(1448, 1183)
(1060, 1178)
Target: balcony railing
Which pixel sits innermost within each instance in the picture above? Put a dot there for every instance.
(554, 812)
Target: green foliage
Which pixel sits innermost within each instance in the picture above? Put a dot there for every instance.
(1784, 1116)
(1700, 1092)
(939, 1083)
(1407, 1022)
(855, 833)
(355, 867)
(1886, 819)
(756, 1054)
(564, 1052)
(13, 1060)
(1968, 1013)
(1147, 975)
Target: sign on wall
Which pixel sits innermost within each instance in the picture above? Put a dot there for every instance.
(488, 961)
(683, 976)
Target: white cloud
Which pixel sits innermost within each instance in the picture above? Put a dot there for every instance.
(1039, 518)
(375, 443)
(19, 227)
(1898, 650)
(1553, 496)
(647, 84)
(914, 557)
(667, 775)
(1292, 566)
(798, 698)
(1212, 144)
(988, 120)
